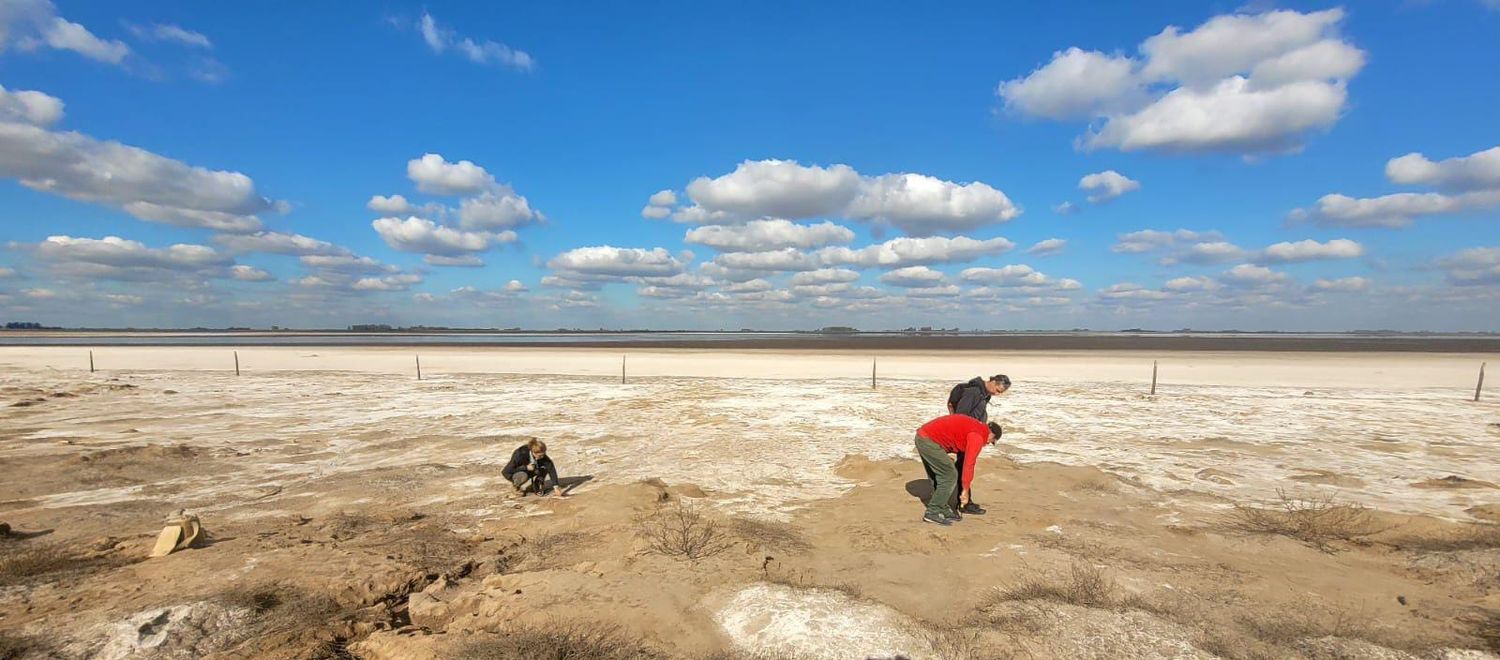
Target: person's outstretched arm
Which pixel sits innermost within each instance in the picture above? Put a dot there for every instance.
(556, 484)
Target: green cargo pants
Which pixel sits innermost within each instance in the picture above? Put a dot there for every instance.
(945, 473)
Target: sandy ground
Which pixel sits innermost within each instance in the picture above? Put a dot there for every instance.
(367, 506)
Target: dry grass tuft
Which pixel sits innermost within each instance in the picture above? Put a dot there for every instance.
(14, 647)
(1315, 520)
(766, 534)
(551, 543)
(554, 549)
(346, 525)
(1485, 626)
(678, 529)
(23, 564)
(1095, 487)
(1479, 536)
(1085, 585)
(802, 579)
(574, 640)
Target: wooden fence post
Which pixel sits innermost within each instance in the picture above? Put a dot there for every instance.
(419, 367)
(1480, 385)
(1153, 377)
(91, 361)
(622, 370)
(236, 363)
(872, 372)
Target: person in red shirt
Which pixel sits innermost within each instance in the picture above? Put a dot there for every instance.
(957, 434)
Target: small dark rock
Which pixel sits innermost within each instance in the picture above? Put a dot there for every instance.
(1401, 599)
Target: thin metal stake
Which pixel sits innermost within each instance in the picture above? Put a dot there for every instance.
(622, 370)
(1153, 377)
(236, 363)
(91, 362)
(1481, 382)
(419, 367)
(872, 372)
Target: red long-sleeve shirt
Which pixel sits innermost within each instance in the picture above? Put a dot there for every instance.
(958, 434)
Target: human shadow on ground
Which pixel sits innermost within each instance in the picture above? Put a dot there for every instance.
(569, 483)
(920, 489)
(18, 535)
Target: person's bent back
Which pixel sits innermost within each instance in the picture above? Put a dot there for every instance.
(958, 434)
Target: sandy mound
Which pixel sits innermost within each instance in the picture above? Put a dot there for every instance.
(1453, 481)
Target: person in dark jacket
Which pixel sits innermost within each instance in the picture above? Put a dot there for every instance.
(972, 399)
(529, 468)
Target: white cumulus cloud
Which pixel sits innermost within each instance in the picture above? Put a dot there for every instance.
(1310, 250)
(146, 185)
(30, 107)
(271, 242)
(435, 175)
(31, 25)
(1477, 171)
(767, 235)
(826, 276)
(1107, 185)
(1047, 247)
(1246, 83)
(610, 261)
(914, 277)
(1342, 284)
(424, 236)
(899, 252)
(917, 204)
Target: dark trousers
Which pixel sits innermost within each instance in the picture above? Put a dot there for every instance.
(959, 462)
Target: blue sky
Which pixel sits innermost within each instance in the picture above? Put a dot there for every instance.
(1292, 166)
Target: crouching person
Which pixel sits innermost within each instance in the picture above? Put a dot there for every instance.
(957, 434)
(529, 468)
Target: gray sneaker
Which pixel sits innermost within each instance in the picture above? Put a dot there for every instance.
(937, 519)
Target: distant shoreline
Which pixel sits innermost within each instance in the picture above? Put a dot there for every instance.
(1290, 342)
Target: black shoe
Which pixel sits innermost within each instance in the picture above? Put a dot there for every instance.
(955, 516)
(972, 509)
(937, 519)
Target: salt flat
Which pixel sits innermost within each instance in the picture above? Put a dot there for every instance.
(765, 430)
(333, 473)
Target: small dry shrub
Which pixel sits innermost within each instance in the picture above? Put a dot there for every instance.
(679, 530)
(1085, 585)
(1315, 520)
(770, 535)
(951, 643)
(284, 617)
(573, 640)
